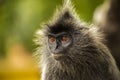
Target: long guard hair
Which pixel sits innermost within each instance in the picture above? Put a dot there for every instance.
(88, 58)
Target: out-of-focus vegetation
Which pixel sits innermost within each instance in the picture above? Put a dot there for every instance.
(19, 19)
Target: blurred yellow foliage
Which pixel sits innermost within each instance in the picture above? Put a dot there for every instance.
(19, 65)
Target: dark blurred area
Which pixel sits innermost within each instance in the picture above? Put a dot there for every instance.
(19, 20)
(107, 18)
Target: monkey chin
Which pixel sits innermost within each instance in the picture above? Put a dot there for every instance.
(57, 56)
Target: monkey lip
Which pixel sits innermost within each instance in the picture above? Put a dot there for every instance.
(57, 56)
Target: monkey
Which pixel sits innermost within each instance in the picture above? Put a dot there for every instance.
(108, 21)
(70, 50)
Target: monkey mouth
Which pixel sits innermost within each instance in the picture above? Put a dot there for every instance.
(57, 56)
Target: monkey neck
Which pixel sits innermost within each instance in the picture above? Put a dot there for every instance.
(73, 70)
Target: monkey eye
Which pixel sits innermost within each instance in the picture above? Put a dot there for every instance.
(65, 38)
(51, 39)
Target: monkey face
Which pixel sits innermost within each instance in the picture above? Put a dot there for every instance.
(60, 36)
(59, 44)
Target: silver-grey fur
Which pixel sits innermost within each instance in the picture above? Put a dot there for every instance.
(87, 58)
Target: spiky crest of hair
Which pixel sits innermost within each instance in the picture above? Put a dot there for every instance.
(64, 19)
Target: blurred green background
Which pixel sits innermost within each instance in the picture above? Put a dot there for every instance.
(19, 19)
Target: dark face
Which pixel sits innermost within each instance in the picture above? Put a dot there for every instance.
(59, 44)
